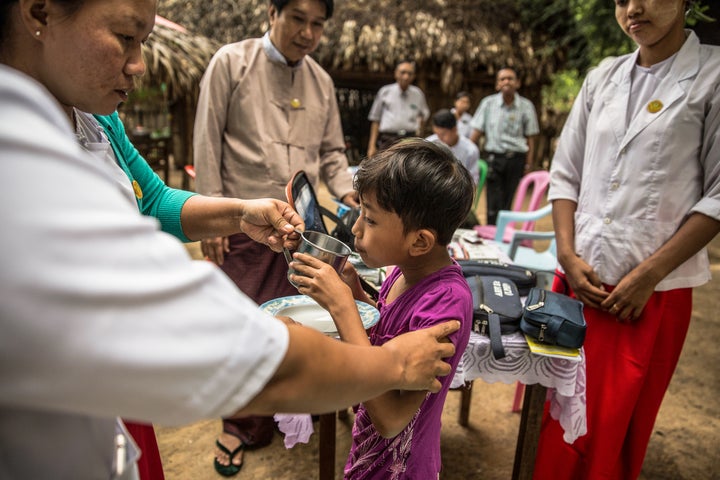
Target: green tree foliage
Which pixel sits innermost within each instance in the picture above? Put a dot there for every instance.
(699, 13)
(594, 36)
(559, 95)
(555, 19)
(596, 22)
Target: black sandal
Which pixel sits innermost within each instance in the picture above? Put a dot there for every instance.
(231, 469)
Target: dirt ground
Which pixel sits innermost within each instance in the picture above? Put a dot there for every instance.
(684, 444)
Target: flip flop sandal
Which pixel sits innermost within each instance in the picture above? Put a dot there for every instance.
(231, 469)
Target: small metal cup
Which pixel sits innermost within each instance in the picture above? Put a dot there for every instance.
(321, 246)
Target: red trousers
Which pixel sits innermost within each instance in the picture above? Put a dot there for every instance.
(149, 463)
(629, 367)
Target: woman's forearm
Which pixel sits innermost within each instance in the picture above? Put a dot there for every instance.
(265, 220)
(209, 217)
(320, 374)
(563, 213)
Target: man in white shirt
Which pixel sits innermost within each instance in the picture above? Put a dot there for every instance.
(444, 125)
(398, 111)
(445, 131)
(509, 125)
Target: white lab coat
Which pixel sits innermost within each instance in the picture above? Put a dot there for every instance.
(635, 186)
(101, 314)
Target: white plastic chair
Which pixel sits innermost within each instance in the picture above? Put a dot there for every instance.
(531, 258)
(520, 254)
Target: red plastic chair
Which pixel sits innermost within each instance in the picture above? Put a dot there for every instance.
(539, 182)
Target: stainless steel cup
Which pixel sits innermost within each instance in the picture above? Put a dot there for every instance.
(321, 246)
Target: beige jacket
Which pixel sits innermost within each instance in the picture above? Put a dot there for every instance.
(258, 121)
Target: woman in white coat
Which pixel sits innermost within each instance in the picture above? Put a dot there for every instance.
(636, 197)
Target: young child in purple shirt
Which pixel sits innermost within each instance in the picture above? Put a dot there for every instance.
(414, 195)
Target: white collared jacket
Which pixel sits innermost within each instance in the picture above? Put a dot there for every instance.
(635, 186)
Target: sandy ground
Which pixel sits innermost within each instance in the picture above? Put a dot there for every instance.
(684, 444)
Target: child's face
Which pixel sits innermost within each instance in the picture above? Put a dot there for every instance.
(379, 237)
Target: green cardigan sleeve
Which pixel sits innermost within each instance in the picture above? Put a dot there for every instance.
(154, 198)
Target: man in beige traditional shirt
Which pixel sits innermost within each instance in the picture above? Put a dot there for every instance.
(266, 110)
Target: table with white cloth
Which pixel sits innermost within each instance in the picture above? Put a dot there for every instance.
(560, 380)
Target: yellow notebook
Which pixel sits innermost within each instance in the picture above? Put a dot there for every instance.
(572, 354)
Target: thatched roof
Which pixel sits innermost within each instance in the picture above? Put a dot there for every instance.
(177, 58)
(451, 38)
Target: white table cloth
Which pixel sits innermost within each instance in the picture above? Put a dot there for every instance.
(565, 379)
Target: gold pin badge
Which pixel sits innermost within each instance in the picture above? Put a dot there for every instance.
(655, 106)
(295, 103)
(137, 189)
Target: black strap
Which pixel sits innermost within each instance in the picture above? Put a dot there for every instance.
(495, 336)
(327, 213)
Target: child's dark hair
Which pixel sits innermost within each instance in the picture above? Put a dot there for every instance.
(423, 183)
